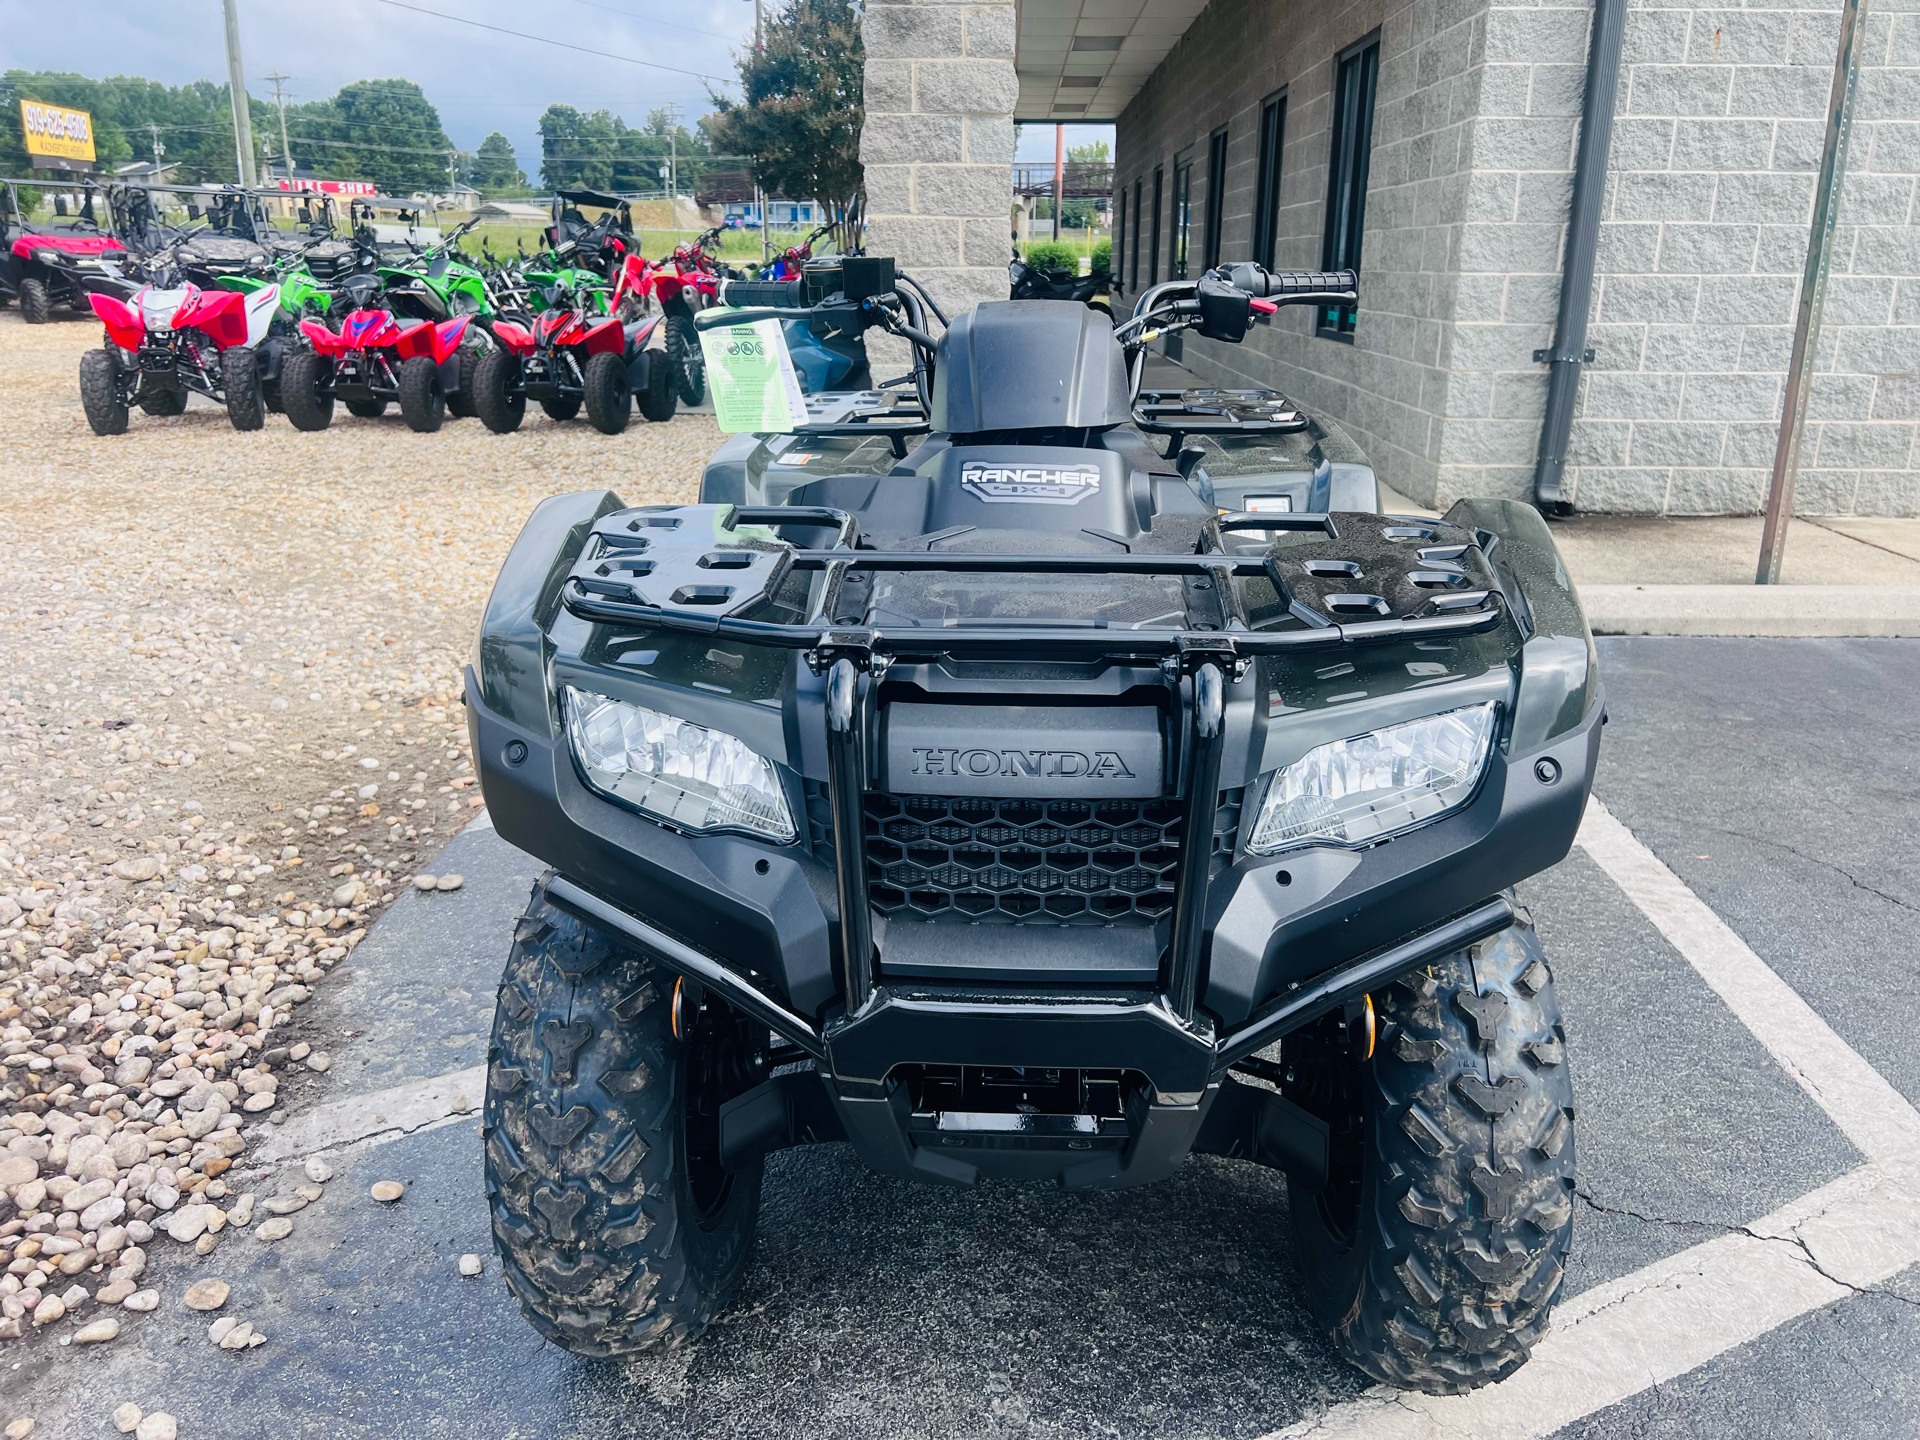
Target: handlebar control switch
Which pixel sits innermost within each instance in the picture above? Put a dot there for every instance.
(864, 276)
(1225, 312)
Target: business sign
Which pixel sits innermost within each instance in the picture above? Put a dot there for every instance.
(53, 133)
(327, 187)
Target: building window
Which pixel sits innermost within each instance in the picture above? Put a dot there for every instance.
(1153, 255)
(1182, 217)
(1352, 140)
(1133, 260)
(1216, 194)
(1266, 197)
(1115, 264)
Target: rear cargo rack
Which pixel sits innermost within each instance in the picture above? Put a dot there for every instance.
(1216, 412)
(860, 414)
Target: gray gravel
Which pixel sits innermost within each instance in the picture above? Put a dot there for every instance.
(229, 734)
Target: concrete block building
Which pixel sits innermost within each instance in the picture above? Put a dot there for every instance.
(1431, 144)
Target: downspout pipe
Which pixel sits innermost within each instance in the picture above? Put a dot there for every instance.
(1570, 350)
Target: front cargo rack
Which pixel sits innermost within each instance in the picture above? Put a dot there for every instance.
(1346, 579)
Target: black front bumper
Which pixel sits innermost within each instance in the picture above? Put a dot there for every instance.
(769, 915)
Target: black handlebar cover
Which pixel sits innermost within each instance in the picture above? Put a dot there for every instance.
(783, 294)
(1263, 284)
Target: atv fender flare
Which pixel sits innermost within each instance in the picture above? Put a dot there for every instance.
(447, 336)
(123, 324)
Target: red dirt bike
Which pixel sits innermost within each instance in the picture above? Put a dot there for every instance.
(574, 355)
(172, 337)
(374, 358)
(684, 283)
(789, 262)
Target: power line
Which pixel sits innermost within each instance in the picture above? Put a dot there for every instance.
(549, 40)
(648, 19)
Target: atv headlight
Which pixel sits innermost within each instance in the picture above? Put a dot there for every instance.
(1378, 784)
(46, 257)
(687, 775)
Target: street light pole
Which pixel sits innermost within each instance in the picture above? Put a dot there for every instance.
(1059, 174)
(237, 89)
(1813, 293)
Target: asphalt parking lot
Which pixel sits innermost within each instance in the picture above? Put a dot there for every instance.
(1775, 781)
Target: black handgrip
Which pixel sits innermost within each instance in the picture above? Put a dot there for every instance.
(778, 294)
(1261, 283)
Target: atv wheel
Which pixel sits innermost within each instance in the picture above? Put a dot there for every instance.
(563, 409)
(304, 392)
(658, 401)
(498, 398)
(423, 404)
(1437, 1248)
(36, 308)
(616, 1227)
(100, 393)
(162, 400)
(609, 395)
(366, 409)
(246, 396)
(689, 365)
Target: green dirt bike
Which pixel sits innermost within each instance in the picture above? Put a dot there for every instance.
(439, 283)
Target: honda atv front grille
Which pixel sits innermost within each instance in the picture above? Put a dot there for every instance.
(1052, 862)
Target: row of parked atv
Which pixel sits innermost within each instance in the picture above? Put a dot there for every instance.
(389, 314)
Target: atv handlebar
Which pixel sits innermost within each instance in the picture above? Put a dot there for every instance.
(780, 294)
(1293, 285)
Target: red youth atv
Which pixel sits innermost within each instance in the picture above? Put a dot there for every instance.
(171, 339)
(375, 357)
(571, 357)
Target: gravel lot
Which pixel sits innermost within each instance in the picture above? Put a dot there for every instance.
(229, 734)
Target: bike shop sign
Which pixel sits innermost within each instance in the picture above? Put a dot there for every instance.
(55, 135)
(751, 375)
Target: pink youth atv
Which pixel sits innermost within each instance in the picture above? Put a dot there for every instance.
(375, 357)
(168, 340)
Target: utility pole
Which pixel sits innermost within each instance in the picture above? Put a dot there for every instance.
(1813, 293)
(158, 148)
(673, 163)
(237, 89)
(286, 151)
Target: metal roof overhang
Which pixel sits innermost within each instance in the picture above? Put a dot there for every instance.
(1082, 61)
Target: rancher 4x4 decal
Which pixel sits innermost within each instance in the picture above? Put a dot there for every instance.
(1029, 484)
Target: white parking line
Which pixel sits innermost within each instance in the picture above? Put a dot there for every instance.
(1617, 1339)
(1869, 1111)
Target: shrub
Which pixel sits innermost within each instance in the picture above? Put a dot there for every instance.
(1052, 255)
(1103, 258)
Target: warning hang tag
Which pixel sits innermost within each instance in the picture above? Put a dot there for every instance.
(750, 374)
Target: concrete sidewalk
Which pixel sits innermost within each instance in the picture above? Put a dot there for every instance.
(1666, 575)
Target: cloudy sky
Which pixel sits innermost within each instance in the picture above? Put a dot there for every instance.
(481, 79)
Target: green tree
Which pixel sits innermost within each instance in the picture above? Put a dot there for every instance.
(386, 131)
(494, 170)
(1094, 152)
(802, 108)
(577, 149)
